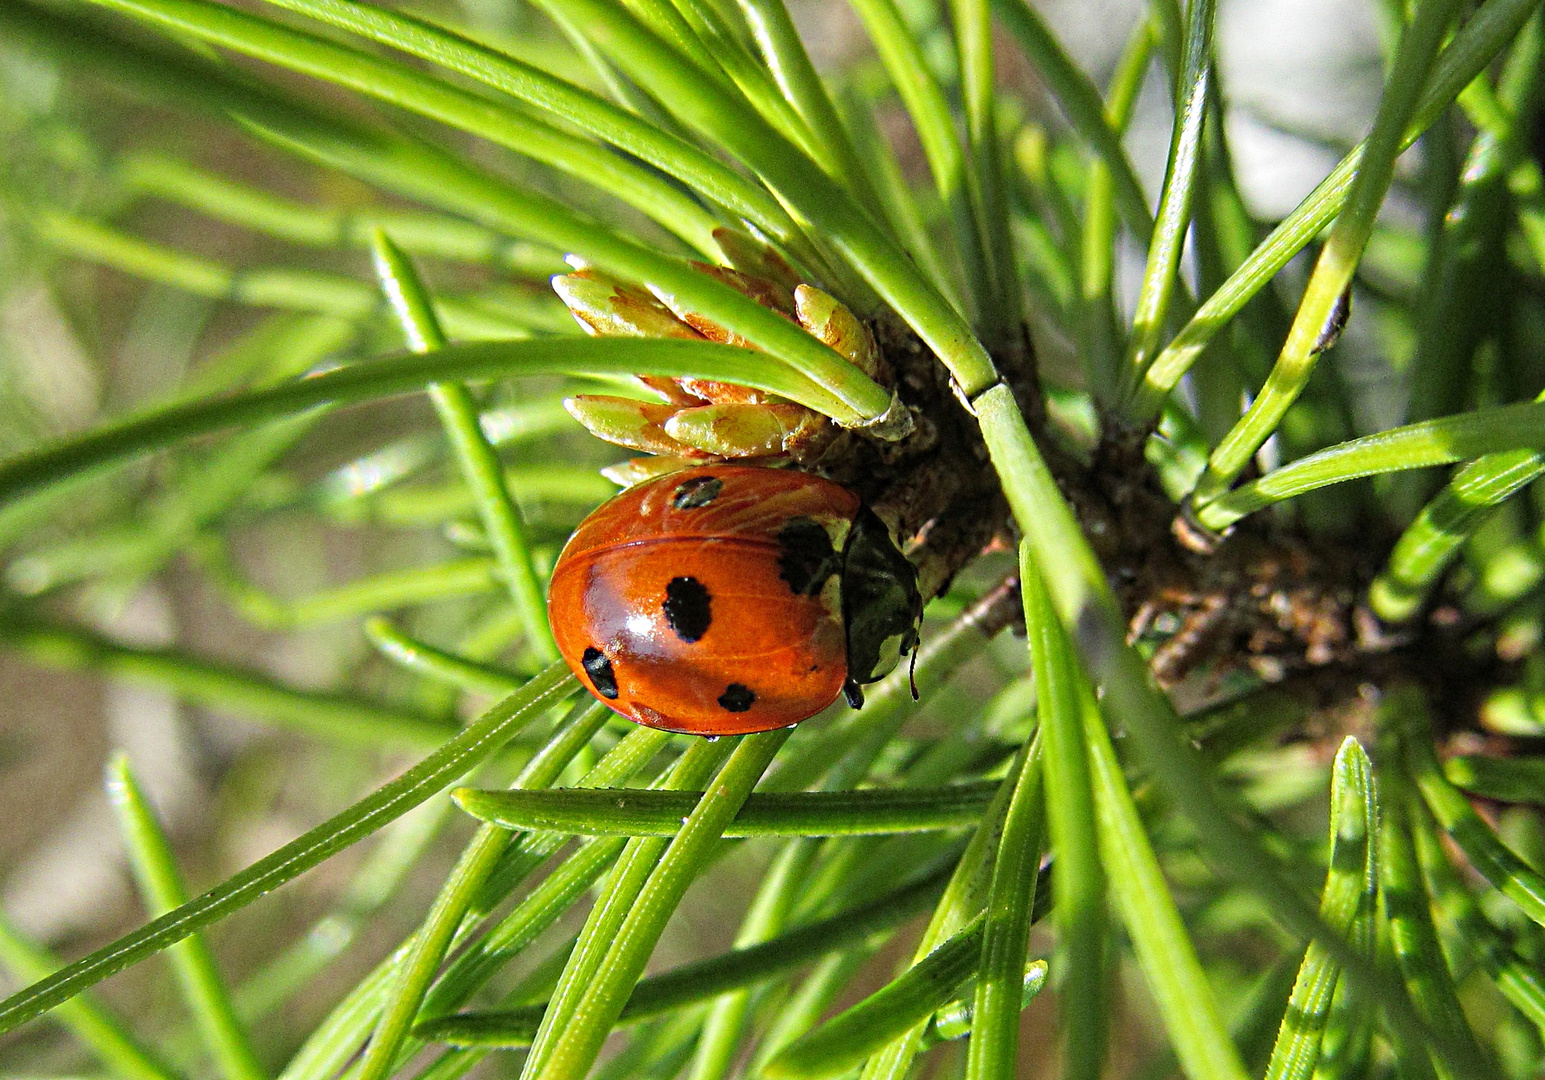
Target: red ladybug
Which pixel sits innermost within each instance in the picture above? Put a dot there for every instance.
(727, 599)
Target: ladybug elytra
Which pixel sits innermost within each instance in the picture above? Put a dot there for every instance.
(726, 599)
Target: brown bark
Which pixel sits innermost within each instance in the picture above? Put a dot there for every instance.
(1269, 598)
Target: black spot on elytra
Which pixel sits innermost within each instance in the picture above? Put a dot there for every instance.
(686, 608)
(737, 697)
(696, 492)
(806, 557)
(600, 671)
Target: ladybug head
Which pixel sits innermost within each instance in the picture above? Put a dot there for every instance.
(881, 606)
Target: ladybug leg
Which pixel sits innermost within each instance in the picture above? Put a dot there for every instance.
(734, 431)
(854, 693)
(638, 425)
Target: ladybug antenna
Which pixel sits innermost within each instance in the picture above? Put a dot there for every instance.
(912, 674)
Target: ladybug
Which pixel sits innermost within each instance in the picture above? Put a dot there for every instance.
(727, 599)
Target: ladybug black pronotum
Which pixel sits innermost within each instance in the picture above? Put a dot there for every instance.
(726, 599)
